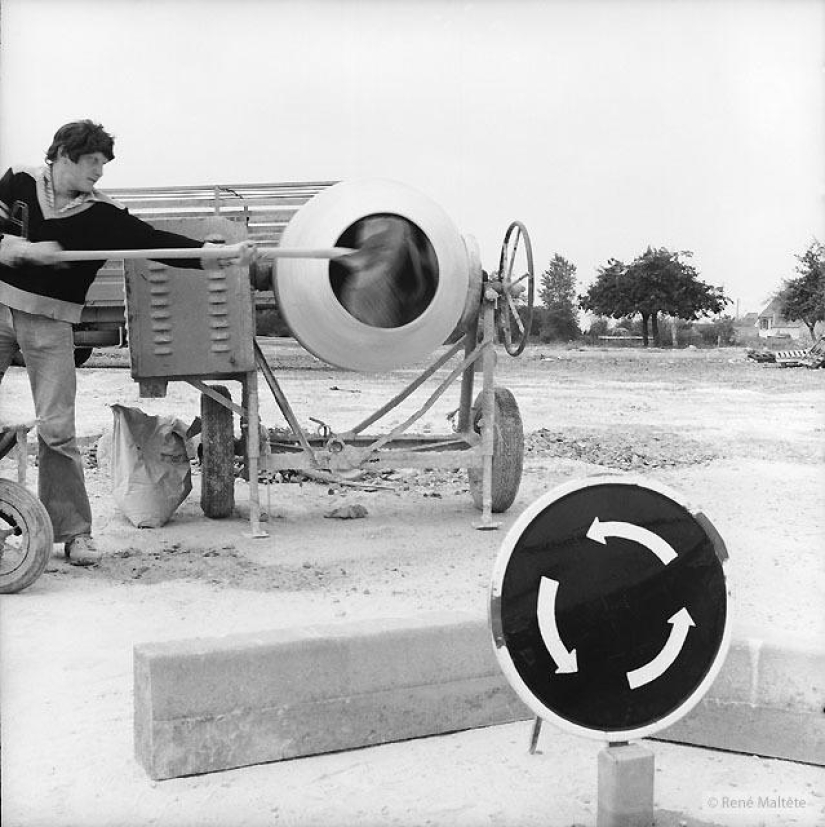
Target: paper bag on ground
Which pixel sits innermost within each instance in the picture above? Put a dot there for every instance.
(151, 475)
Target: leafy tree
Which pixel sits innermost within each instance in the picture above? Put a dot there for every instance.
(557, 292)
(657, 281)
(803, 298)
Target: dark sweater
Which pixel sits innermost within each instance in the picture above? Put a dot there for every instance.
(99, 224)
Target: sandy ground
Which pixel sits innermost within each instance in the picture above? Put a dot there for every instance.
(743, 441)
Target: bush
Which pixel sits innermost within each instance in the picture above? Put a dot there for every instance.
(685, 334)
(270, 322)
(598, 327)
(555, 325)
(715, 333)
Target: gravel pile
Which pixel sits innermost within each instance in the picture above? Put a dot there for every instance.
(628, 450)
(625, 450)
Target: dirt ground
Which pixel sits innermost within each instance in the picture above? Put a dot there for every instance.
(740, 440)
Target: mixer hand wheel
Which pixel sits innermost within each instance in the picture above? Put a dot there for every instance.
(515, 320)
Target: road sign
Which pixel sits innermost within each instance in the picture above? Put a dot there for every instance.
(609, 607)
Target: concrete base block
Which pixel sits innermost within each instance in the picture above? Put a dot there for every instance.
(625, 786)
(767, 700)
(213, 704)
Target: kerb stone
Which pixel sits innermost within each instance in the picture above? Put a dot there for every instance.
(767, 700)
(204, 705)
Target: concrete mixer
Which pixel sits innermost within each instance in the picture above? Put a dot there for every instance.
(358, 302)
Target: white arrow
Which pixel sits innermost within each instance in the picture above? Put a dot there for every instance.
(680, 625)
(599, 532)
(546, 613)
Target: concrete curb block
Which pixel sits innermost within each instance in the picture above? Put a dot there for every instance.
(211, 704)
(767, 700)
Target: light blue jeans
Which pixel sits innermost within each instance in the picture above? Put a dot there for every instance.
(47, 346)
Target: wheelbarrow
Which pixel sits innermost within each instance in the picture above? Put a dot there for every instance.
(26, 535)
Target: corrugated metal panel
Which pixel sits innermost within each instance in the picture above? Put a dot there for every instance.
(187, 322)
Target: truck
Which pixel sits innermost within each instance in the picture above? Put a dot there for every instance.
(263, 210)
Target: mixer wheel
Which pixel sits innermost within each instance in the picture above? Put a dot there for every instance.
(26, 537)
(508, 452)
(218, 462)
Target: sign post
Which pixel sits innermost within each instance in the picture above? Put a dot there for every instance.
(609, 614)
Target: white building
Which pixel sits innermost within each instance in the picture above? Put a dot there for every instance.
(772, 324)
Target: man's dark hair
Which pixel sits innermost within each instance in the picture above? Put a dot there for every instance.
(81, 138)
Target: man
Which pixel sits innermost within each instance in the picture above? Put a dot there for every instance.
(44, 210)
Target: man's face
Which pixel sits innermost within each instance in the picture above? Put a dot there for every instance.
(83, 174)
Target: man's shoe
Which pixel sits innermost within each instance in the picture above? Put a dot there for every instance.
(81, 551)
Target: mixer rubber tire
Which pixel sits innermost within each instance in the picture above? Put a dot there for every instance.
(218, 457)
(508, 452)
(21, 510)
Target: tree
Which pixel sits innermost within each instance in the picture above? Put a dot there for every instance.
(557, 292)
(803, 298)
(657, 281)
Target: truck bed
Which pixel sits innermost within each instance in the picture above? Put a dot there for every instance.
(264, 209)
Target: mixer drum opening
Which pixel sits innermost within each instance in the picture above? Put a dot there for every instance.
(344, 311)
(399, 279)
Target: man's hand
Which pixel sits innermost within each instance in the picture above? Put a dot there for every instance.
(241, 254)
(15, 252)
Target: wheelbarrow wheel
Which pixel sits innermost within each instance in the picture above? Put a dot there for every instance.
(26, 537)
(218, 456)
(508, 452)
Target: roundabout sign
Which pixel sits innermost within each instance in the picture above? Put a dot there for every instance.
(609, 607)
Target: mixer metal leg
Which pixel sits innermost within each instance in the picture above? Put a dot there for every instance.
(488, 423)
(253, 449)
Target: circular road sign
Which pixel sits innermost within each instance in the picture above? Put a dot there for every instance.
(609, 607)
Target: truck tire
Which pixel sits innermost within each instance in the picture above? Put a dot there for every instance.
(81, 355)
(508, 452)
(218, 457)
(8, 439)
(26, 544)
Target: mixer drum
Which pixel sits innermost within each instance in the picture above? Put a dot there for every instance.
(393, 302)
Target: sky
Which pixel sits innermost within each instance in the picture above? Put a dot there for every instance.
(604, 126)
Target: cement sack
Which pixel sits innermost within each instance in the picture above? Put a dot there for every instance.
(151, 475)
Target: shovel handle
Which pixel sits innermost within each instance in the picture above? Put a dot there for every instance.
(205, 253)
(300, 252)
